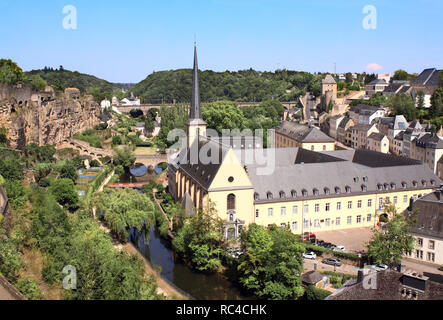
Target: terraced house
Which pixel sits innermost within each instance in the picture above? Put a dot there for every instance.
(298, 188)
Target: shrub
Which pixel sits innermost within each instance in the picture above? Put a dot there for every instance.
(313, 293)
(29, 288)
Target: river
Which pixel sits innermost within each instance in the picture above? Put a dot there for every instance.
(200, 286)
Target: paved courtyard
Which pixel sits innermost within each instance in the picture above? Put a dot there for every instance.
(354, 240)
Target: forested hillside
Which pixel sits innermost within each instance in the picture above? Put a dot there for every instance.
(87, 84)
(246, 85)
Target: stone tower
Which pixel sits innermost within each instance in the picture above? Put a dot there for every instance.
(195, 126)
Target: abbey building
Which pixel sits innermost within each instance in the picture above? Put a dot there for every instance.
(306, 190)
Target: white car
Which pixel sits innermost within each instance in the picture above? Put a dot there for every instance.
(340, 248)
(378, 267)
(309, 255)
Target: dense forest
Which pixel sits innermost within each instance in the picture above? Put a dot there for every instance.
(246, 85)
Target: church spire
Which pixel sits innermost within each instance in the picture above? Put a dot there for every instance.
(195, 102)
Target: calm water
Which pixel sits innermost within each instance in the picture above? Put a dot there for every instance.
(199, 286)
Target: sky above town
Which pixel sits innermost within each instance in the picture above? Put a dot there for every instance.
(124, 41)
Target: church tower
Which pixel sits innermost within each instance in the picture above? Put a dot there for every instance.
(195, 126)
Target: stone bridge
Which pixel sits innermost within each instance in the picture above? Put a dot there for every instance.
(85, 149)
(152, 160)
(146, 107)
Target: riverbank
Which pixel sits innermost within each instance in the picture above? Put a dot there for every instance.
(163, 287)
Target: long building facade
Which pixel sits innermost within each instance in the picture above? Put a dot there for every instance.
(302, 189)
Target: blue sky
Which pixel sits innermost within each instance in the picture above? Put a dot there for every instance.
(124, 41)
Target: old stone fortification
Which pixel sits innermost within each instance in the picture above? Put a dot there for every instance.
(44, 117)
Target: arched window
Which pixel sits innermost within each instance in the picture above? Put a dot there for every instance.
(393, 185)
(337, 190)
(326, 191)
(293, 193)
(433, 182)
(363, 187)
(404, 184)
(423, 182)
(315, 192)
(269, 195)
(414, 183)
(386, 186)
(304, 193)
(379, 187)
(282, 195)
(231, 202)
(348, 189)
(256, 196)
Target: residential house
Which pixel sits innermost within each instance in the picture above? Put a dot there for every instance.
(344, 133)
(292, 134)
(428, 148)
(410, 134)
(375, 86)
(365, 114)
(389, 285)
(360, 133)
(398, 87)
(426, 82)
(428, 230)
(334, 122)
(378, 142)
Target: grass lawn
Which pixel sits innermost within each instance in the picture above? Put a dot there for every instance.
(145, 151)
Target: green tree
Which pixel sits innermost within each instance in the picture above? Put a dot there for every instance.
(117, 140)
(37, 83)
(401, 75)
(272, 263)
(68, 171)
(124, 156)
(10, 72)
(390, 244)
(3, 134)
(65, 193)
(198, 242)
(437, 103)
(420, 99)
(403, 105)
(223, 115)
(10, 260)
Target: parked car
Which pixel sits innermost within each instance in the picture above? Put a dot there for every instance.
(340, 248)
(309, 255)
(327, 245)
(307, 236)
(320, 243)
(378, 267)
(332, 261)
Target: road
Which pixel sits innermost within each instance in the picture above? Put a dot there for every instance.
(344, 268)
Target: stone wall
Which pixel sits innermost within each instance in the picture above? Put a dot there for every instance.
(44, 117)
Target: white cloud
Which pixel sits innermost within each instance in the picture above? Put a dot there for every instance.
(373, 67)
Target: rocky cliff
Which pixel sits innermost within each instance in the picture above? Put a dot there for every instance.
(44, 117)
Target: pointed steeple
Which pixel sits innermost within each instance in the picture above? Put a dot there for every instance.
(195, 102)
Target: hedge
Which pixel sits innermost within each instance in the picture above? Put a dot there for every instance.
(97, 182)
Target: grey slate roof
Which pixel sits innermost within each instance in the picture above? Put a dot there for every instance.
(389, 287)
(302, 132)
(203, 170)
(376, 136)
(428, 77)
(312, 277)
(430, 140)
(328, 80)
(430, 215)
(377, 81)
(388, 171)
(344, 122)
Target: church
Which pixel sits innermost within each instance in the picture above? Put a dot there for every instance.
(304, 190)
